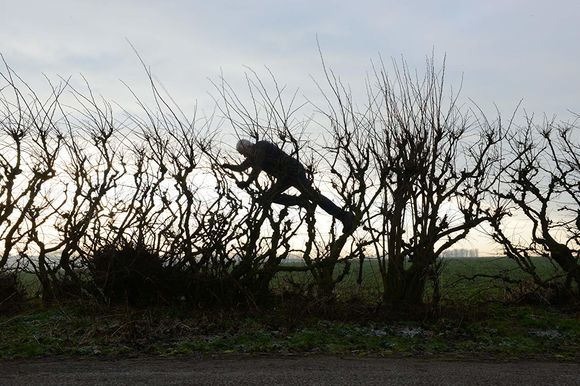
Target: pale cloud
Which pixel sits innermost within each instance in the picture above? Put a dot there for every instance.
(506, 50)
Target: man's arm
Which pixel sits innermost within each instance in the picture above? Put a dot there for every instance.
(253, 176)
(255, 161)
(238, 168)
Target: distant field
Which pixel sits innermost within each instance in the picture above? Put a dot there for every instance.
(458, 281)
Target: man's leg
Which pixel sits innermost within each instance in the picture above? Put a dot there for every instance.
(272, 194)
(305, 187)
(290, 200)
(275, 195)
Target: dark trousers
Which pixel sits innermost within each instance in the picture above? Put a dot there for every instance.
(307, 197)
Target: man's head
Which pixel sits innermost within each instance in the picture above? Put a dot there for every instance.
(244, 147)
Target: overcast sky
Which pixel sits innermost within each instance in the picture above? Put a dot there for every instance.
(506, 50)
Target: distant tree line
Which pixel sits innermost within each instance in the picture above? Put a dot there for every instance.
(461, 252)
(135, 207)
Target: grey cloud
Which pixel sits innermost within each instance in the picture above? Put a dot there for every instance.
(507, 50)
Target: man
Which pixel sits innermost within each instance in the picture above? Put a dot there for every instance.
(288, 172)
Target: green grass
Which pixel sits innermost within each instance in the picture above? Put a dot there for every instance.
(504, 332)
(474, 321)
(457, 282)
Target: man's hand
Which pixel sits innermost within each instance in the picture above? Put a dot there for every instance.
(236, 168)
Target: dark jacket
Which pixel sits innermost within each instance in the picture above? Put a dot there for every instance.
(271, 159)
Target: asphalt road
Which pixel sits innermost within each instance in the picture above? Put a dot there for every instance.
(312, 370)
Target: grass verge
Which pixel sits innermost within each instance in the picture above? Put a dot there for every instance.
(478, 317)
(498, 332)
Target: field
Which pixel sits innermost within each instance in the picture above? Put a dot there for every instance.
(463, 280)
(478, 317)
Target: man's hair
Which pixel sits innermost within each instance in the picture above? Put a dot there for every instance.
(244, 146)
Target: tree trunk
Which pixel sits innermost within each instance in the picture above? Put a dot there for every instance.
(395, 281)
(562, 255)
(414, 287)
(406, 287)
(325, 283)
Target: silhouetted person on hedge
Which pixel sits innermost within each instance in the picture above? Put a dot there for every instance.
(288, 172)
